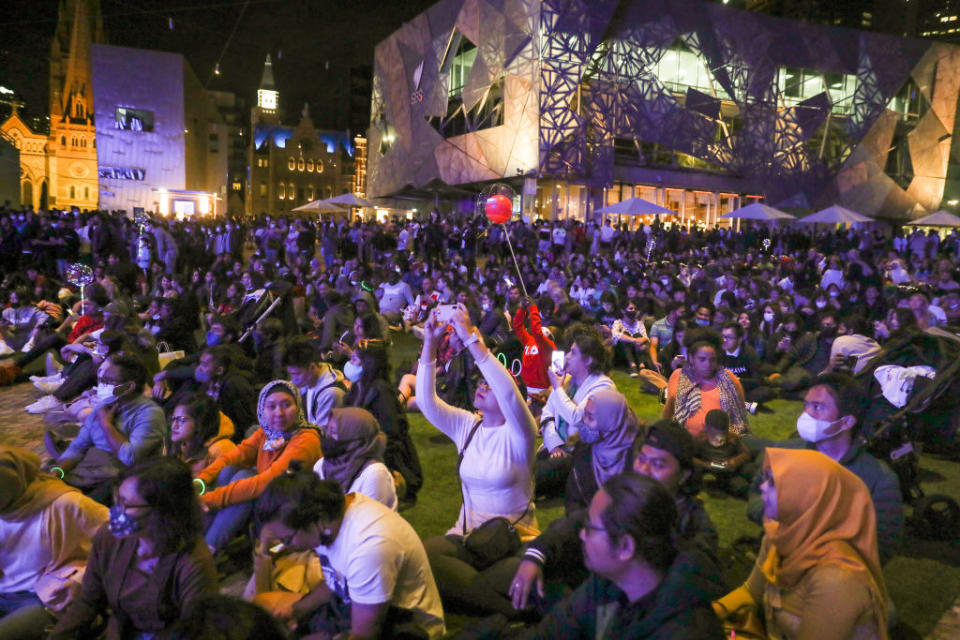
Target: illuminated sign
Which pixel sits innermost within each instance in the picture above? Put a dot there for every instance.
(122, 173)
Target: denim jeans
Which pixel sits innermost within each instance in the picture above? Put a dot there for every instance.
(22, 616)
(228, 522)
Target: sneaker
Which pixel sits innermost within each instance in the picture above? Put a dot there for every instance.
(752, 407)
(52, 378)
(53, 366)
(633, 371)
(28, 347)
(44, 404)
(48, 386)
(5, 349)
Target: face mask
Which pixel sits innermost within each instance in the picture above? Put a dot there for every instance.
(201, 375)
(834, 294)
(213, 339)
(485, 307)
(630, 314)
(820, 304)
(768, 317)
(829, 332)
(703, 323)
(352, 372)
(811, 429)
(589, 435)
(333, 448)
(106, 391)
(121, 525)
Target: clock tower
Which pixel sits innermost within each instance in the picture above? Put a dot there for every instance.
(268, 98)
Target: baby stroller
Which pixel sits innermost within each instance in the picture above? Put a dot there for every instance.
(930, 419)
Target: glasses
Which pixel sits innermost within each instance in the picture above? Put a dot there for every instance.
(179, 419)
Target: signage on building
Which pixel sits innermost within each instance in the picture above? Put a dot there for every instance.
(122, 173)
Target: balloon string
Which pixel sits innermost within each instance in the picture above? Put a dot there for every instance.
(506, 232)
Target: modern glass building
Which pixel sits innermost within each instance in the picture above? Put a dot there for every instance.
(696, 106)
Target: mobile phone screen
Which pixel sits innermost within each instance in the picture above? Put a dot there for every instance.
(557, 360)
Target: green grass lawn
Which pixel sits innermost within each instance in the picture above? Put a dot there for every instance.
(923, 582)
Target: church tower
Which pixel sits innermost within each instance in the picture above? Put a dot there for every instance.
(268, 98)
(71, 146)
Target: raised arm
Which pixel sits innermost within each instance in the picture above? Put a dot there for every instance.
(446, 418)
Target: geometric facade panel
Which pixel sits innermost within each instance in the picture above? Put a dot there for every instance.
(800, 112)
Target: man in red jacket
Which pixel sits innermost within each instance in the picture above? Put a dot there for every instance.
(538, 347)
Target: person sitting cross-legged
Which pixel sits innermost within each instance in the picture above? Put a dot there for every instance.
(377, 580)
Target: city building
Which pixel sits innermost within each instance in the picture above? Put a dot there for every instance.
(162, 145)
(233, 110)
(59, 166)
(291, 166)
(128, 128)
(696, 106)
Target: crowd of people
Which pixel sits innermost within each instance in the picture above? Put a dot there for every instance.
(227, 391)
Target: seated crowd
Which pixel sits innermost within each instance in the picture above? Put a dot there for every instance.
(233, 402)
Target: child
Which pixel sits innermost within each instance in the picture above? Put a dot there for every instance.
(724, 455)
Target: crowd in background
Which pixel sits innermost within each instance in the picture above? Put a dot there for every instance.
(227, 389)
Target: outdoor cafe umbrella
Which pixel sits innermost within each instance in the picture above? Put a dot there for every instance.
(758, 211)
(938, 219)
(319, 205)
(350, 200)
(836, 214)
(635, 207)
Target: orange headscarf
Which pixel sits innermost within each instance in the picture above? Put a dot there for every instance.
(825, 516)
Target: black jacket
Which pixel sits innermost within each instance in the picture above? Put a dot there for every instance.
(679, 608)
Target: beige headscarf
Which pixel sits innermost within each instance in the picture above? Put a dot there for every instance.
(825, 516)
(24, 491)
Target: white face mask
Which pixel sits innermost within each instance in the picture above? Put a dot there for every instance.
(768, 317)
(813, 430)
(352, 372)
(106, 391)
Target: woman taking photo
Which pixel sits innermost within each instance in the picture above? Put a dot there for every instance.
(818, 571)
(369, 370)
(700, 385)
(149, 563)
(235, 480)
(496, 445)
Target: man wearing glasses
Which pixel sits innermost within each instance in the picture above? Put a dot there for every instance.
(124, 428)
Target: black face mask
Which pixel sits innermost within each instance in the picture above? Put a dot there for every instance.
(829, 332)
(333, 448)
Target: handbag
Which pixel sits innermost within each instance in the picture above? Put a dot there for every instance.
(496, 538)
(165, 356)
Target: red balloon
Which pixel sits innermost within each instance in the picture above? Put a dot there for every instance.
(498, 208)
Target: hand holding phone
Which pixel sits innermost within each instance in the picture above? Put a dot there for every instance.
(445, 312)
(558, 361)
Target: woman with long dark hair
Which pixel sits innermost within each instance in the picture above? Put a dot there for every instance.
(150, 562)
(199, 434)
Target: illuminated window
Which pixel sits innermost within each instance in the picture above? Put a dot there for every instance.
(281, 191)
(310, 165)
(263, 189)
(310, 193)
(319, 165)
(237, 186)
(291, 164)
(301, 165)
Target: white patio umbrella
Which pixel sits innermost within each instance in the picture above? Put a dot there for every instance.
(635, 207)
(937, 219)
(836, 214)
(319, 205)
(350, 200)
(758, 211)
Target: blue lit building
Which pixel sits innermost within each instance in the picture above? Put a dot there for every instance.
(291, 166)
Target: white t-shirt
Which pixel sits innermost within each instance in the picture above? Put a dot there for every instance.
(374, 481)
(395, 297)
(377, 557)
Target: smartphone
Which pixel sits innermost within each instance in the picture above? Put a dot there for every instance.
(558, 360)
(445, 312)
(277, 548)
(851, 362)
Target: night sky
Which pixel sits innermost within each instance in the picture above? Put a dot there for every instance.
(316, 41)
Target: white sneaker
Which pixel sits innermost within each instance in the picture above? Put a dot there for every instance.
(28, 347)
(48, 386)
(752, 407)
(44, 404)
(54, 378)
(5, 349)
(53, 367)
